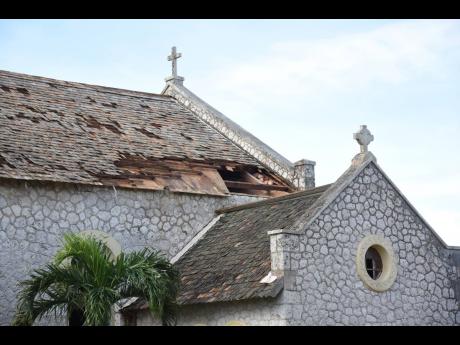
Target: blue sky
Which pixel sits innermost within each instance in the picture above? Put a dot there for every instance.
(301, 86)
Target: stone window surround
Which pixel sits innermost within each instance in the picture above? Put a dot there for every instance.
(389, 266)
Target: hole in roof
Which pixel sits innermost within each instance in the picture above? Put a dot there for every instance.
(110, 105)
(22, 90)
(186, 136)
(147, 133)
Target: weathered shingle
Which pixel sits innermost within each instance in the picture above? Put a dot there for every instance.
(71, 132)
(229, 261)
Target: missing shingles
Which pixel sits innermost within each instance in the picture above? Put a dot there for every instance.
(21, 115)
(28, 160)
(116, 123)
(60, 167)
(52, 85)
(110, 105)
(112, 128)
(22, 90)
(4, 162)
(91, 100)
(145, 106)
(147, 133)
(93, 123)
(57, 112)
(156, 125)
(186, 136)
(5, 88)
(34, 110)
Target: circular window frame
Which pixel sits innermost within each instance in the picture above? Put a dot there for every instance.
(389, 268)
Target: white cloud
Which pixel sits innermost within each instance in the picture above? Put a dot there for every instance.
(392, 53)
(438, 201)
(434, 187)
(446, 224)
(313, 71)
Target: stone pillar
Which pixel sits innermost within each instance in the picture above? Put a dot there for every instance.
(285, 254)
(455, 260)
(304, 174)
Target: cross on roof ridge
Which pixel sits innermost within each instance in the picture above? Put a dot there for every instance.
(364, 137)
(173, 58)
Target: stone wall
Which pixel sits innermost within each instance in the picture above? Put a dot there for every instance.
(322, 286)
(242, 313)
(34, 215)
(327, 290)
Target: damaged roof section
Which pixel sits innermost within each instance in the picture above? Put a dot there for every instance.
(71, 132)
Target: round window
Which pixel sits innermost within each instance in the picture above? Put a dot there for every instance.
(375, 263)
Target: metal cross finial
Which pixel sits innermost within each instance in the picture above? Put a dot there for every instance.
(173, 57)
(363, 137)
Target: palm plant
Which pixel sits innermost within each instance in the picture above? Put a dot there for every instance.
(85, 281)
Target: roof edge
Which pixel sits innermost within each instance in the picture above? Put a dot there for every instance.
(295, 195)
(359, 162)
(86, 86)
(414, 209)
(238, 135)
(195, 239)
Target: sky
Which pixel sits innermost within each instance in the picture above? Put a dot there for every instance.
(301, 86)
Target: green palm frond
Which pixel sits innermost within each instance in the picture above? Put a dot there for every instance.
(85, 277)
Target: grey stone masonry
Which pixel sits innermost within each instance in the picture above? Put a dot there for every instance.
(260, 312)
(304, 174)
(299, 178)
(327, 289)
(34, 215)
(319, 268)
(455, 259)
(284, 248)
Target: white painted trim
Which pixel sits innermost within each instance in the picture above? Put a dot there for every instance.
(269, 278)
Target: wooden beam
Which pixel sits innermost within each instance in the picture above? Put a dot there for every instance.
(259, 186)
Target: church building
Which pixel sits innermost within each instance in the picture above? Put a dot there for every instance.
(256, 242)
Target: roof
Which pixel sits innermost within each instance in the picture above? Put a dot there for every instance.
(72, 132)
(230, 260)
(233, 256)
(248, 142)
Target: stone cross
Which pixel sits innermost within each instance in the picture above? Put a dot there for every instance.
(173, 57)
(363, 137)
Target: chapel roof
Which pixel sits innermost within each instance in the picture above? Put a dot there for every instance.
(228, 262)
(231, 259)
(72, 132)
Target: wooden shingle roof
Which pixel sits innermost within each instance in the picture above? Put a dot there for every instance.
(231, 259)
(71, 132)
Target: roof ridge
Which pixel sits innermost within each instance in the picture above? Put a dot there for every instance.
(266, 155)
(292, 196)
(80, 85)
